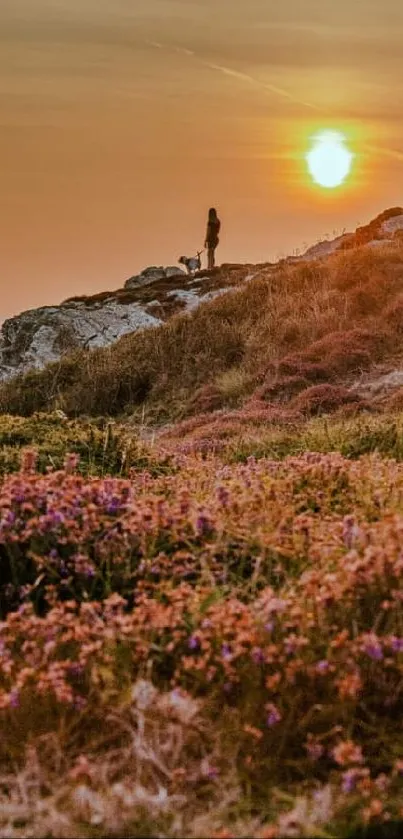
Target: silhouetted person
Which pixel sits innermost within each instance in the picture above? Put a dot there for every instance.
(212, 240)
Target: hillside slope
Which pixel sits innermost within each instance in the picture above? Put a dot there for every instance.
(39, 336)
(301, 337)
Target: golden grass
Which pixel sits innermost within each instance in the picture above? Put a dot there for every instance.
(341, 313)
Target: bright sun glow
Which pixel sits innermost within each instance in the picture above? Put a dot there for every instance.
(329, 160)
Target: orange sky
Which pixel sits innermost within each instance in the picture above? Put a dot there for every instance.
(122, 121)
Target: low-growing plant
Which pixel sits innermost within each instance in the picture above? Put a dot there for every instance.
(259, 601)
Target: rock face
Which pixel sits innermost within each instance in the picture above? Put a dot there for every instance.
(150, 275)
(39, 336)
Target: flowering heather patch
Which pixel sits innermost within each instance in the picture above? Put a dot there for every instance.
(263, 598)
(88, 538)
(282, 435)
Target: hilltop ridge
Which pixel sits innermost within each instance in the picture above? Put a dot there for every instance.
(36, 337)
(306, 335)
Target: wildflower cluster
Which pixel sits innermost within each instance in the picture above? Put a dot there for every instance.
(267, 592)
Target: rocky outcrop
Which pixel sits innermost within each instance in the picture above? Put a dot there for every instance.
(150, 275)
(384, 229)
(39, 336)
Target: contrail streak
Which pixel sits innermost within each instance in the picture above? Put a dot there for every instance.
(268, 88)
(236, 74)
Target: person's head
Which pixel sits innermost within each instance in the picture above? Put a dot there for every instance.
(212, 214)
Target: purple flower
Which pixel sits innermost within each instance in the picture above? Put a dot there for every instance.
(223, 496)
(193, 643)
(203, 525)
(176, 693)
(14, 699)
(258, 655)
(114, 506)
(322, 666)
(226, 651)
(350, 779)
(373, 648)
(269, 626)
(396, 644)
(273, 716)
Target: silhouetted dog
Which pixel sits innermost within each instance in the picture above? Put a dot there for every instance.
(192, 263)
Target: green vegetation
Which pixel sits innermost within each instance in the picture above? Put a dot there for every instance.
(103, 447)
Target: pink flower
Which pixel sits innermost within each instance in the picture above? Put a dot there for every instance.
(347, 752)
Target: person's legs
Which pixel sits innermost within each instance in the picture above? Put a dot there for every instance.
(210, 259)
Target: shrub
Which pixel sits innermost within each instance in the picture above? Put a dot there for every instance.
(323, 399)
(264, 600)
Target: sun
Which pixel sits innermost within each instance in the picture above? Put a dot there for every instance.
(329, 160)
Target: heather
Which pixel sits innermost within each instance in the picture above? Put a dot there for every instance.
(213, 649)
(238, 435)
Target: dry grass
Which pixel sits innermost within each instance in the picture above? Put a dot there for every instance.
(291, 327)
(132, 781)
